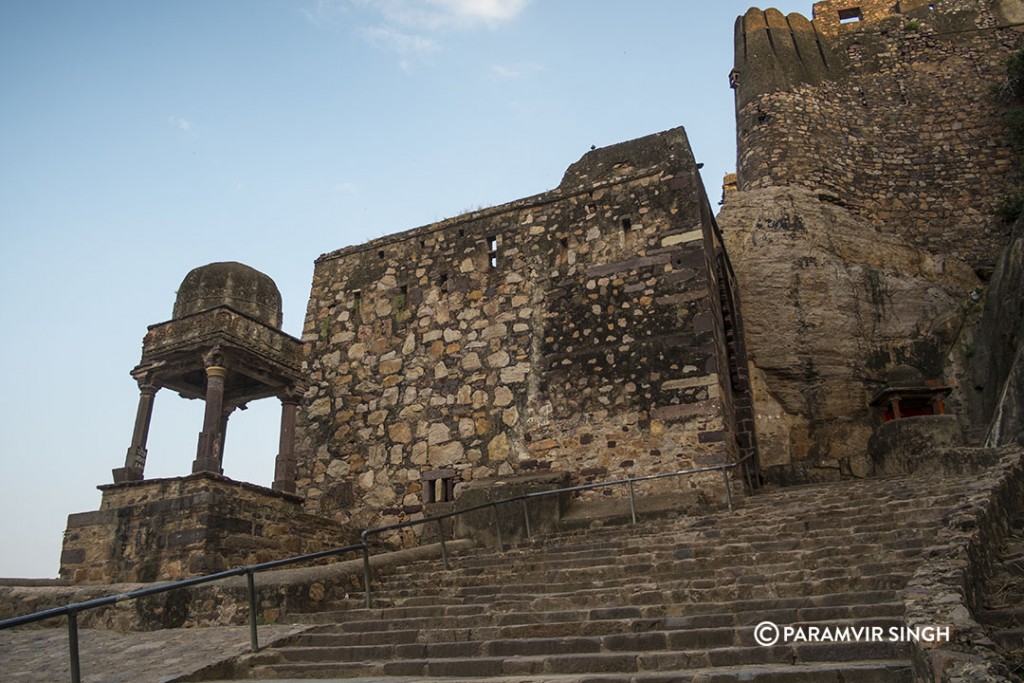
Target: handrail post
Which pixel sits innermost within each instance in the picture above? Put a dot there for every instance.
(366, 573)
(444, 548)
(728, 489)
(76, 669)
(526, 517)
(497, 527)
(632, 502)
(254, 638)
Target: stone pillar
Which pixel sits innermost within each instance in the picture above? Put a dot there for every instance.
(284, 466)
(211, 438)
(135, 459)
(224, 432)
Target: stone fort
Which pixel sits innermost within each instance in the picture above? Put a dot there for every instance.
(859, 271)
(594, 332)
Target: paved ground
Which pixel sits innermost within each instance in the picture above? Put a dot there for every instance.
(41, 655)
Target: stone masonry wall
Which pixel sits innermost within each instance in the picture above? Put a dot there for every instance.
(167, 529)
(578, 330)
(892, 116)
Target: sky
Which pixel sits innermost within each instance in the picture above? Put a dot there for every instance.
(139, 140)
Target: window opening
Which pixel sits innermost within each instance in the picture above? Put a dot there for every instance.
(492, 251)
(627, 230)
(850, 16)
(439, 486)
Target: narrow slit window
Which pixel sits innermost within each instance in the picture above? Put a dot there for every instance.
(628, 234)
(850, 16)
(380, 254)
(492, 251)
(403, 298)
(357, 301)
(439, 486)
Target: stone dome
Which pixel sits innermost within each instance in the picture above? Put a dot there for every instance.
(905, 376)
(232, 284)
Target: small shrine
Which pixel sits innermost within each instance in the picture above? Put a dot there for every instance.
(912, 426)
(907, 394)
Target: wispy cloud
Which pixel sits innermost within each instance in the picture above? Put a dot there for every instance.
(438, 15)
(346, 187)
(475, 12)
(180, 123)
(326, 14)
(512, 72)
(411, 28)
(404, 44)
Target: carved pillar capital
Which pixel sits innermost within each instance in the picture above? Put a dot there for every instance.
(214, 357)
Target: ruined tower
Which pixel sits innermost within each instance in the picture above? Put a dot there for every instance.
(872, 160)
(591, 330)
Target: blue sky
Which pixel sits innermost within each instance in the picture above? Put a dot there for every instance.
(139, 140)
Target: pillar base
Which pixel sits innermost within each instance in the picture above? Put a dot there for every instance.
(284, 486)
(124, 474)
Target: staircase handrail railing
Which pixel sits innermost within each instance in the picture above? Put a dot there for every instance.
(249, 571)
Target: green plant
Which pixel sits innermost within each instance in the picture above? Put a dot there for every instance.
(1015, 75)
(1010, 207)
(1014, 122)
(912, 25)
(1011, 88)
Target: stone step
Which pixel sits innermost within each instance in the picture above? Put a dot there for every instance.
(881, 671)
(707, 614)
(741, 525)
(676, 560)
(767, 564)
(1005, 618)
(732, 580)
(512, 597)
(708, 539)
(609, 634)
(510, 660)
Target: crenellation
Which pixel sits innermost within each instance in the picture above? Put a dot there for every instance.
(886, 131)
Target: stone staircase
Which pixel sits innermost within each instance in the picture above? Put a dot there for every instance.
(1003, 611)
(672, 599)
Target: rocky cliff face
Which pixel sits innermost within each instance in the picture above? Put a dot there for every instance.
(830, 303)
(997, 364)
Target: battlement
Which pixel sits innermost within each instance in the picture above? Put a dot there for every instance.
(832, 17)
(887, 108)
(777, 52)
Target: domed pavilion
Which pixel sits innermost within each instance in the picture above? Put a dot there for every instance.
(224, 345)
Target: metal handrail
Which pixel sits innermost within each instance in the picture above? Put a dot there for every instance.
(493, 505)
(249, 571)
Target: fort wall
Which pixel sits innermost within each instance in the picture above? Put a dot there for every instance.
(887, 109)
(580, 331)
